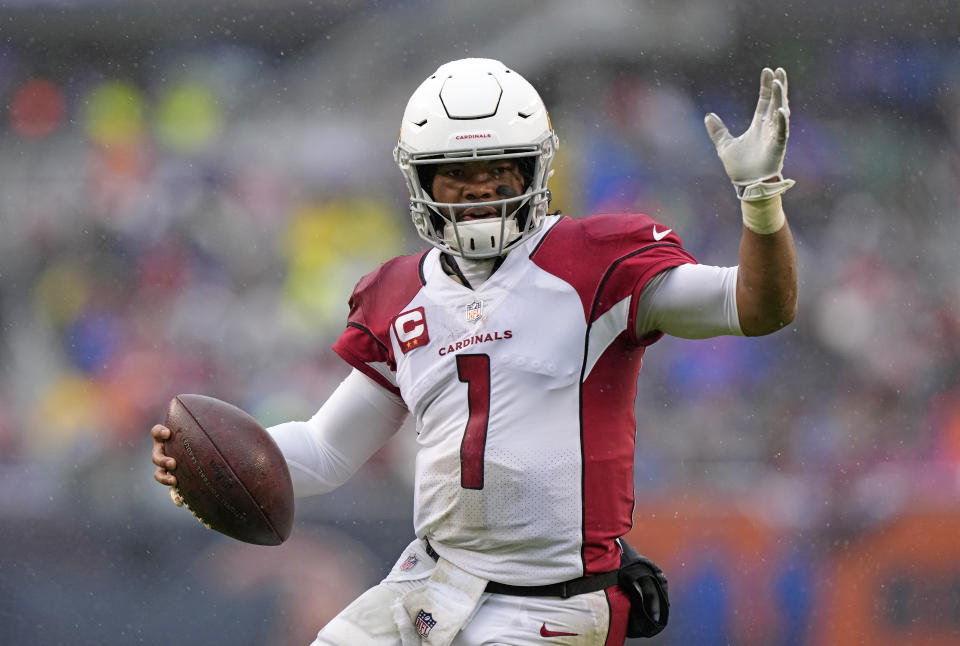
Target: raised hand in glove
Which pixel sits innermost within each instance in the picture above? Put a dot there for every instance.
(754, 160)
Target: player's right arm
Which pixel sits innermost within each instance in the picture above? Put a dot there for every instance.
(324, 451)
(354, 423)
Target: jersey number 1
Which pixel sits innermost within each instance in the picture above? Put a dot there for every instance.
(474, 370)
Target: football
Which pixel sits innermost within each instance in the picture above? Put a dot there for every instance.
(230, 472)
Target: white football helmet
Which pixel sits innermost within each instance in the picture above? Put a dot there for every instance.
(475, 109)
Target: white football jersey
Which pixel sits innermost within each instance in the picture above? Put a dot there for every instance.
(522, 391)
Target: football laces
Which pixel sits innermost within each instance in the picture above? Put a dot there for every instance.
(179, 501)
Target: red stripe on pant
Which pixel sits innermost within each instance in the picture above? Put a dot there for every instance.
(619, 604)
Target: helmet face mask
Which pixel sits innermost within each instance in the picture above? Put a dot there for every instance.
(479, 238)
(468, 111)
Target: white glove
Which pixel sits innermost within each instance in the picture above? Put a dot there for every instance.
(757, 155)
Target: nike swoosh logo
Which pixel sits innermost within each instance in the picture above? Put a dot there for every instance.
(544, 632)
(660, 235)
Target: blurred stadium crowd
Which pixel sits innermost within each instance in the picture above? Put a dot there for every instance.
(190, 214)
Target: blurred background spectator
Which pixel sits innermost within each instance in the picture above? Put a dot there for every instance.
(189, 191)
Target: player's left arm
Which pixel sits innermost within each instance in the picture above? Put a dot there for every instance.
(767, 276)
(767, 279)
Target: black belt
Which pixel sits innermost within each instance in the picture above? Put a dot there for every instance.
(564, 589)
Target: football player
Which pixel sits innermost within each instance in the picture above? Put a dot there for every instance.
(514, 341)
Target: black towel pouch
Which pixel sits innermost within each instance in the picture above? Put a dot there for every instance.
(646, 586)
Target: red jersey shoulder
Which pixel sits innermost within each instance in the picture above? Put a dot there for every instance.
(588, 246)
(379, 295)
(377, 298)
(619, 232)
(606, 257)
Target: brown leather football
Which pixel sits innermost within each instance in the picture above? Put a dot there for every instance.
(230, 472)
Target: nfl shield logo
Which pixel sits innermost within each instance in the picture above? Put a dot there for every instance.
(474, 311)
(410, 562)
(425, 623)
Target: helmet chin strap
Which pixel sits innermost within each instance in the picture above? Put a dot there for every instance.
(480, 235)
(484, 235)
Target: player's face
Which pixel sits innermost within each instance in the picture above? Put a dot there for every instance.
(477, 181)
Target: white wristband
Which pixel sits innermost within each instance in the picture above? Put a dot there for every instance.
(764, 216)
